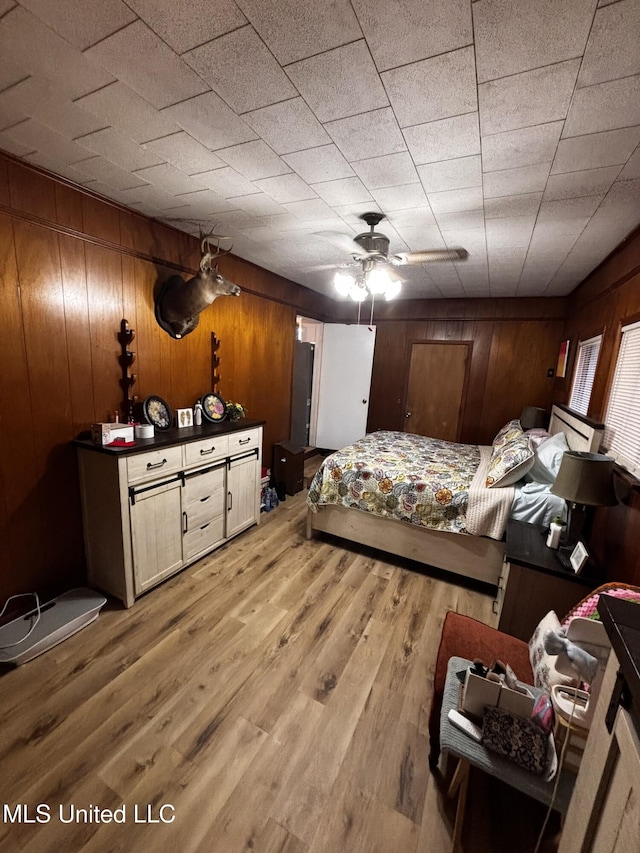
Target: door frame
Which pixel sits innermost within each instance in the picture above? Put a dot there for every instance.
(465, 385)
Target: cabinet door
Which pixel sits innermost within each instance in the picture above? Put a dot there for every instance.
(243, 500)
(156, 534)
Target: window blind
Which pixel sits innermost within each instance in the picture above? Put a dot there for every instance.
(622, 417)
(584, 375)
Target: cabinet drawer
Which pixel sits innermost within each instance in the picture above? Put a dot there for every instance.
(203, 498)
(202, 486)
(207, 450)
(243, 440)
(154, 463)
(203, 537)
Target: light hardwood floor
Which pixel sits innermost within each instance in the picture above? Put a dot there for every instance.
(275, 694)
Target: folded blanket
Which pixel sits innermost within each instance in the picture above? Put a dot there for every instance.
(488, 509)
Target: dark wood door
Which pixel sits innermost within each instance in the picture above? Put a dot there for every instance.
(301, 393)
(436, 388)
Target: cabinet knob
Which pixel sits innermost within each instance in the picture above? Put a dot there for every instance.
(407, 414)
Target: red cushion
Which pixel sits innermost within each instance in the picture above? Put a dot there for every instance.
(468, 638)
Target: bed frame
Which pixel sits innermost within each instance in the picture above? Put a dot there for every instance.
(475, 557)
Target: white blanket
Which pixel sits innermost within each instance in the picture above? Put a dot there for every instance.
(488, 509)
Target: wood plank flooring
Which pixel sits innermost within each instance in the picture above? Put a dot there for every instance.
(274, 697)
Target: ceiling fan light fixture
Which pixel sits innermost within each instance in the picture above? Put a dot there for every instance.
(343, 282)
(378, 281)
(393, 289)
(358, 291)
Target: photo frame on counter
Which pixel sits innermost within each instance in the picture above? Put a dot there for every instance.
(184, 418)
(579, 557)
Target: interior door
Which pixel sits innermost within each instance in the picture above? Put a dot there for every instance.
(436, 387)
(345, 381)
(301, 393)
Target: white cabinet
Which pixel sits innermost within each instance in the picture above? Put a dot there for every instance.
(150, 512)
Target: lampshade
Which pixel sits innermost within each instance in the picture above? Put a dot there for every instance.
(533, 417)
(585, 478)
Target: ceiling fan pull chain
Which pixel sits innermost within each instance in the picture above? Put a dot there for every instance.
(373, 299)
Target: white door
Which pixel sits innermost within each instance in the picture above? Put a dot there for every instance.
(243, 498)
(345, 381)
(156, 533)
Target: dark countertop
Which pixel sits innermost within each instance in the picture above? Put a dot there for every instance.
(622, 622)
(526, 546)
(170, 437)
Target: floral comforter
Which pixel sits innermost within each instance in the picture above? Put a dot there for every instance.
(424, 481)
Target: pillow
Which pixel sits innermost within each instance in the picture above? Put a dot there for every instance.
(543, 665)
(548, 457)
(536, 437)
(510, 463)
(508, 432)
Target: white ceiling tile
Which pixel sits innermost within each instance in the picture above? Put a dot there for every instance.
(205, 202)
(345, 191)
(14, 146)
(524, 147)
(455, 200)
(576, 184)
(400, 198)
(421, 216)
(451, 174)
(632, 169)
(53, 164)
(310, 210)
(82, 22)
(612, 49)
(388, 171)
(609, 148)
(119, 149)
(259, 204)
(39, 137)
(533, 97)
(52, 57)
(449, 79)
(239, 219)
(287, 127)
(400, 33)
(419, 237)
(604, 107)
(509, 234)
(622, 203)
(226, 182)
(6, 5)
(368, 135)
(294, 29)
(185, 153)
(38, 98)
(515, 205)
(444, 139)
(570, 208)
(526, 179)
(117, 105)
(285, 188)
(153, 197)
(254, 160)
(473, 240)
(110, 174)
(556, 232)
(210, 121)
(231, 65)
(147, 65)
(186, 25)
(321, 82)
(172, 180)
(325, 163)
(462, 219)
(519, 35)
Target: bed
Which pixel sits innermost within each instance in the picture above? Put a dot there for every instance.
(428, 500)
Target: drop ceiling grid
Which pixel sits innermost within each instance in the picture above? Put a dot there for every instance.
(279, 119)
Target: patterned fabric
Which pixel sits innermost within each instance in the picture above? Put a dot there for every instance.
(588, 607)
(508, 432)
(510, 462)
(398, 475)
(545, 674)
(518, 738)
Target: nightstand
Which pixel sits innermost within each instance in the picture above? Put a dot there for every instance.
(533, 581)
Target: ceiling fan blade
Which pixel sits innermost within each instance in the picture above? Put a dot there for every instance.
(430, 255)
(340, 240)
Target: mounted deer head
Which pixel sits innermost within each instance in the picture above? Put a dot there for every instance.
(179, 303)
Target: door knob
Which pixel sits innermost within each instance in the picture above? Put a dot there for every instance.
(407, 414)
(365, 402)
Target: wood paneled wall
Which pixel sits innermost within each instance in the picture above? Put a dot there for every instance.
(72, 266)
(515, 342)
(610, 296)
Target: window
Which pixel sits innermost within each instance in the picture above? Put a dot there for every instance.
(622, 417)
(584, 375)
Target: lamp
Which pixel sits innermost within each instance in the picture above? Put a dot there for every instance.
(533, 417)
(584, 479)
(371, 281)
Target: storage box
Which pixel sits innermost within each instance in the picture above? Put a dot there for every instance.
(106, 433)
(479, 692)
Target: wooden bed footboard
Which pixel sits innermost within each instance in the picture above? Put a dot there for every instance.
(475, 557)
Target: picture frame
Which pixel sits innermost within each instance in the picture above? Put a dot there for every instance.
(184, 418)
(563, 359)
(157, 412)
(579, 557)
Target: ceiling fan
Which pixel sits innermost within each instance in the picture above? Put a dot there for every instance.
(371, 251)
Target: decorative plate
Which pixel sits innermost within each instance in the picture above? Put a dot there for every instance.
(157, 412)
(214, 408)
